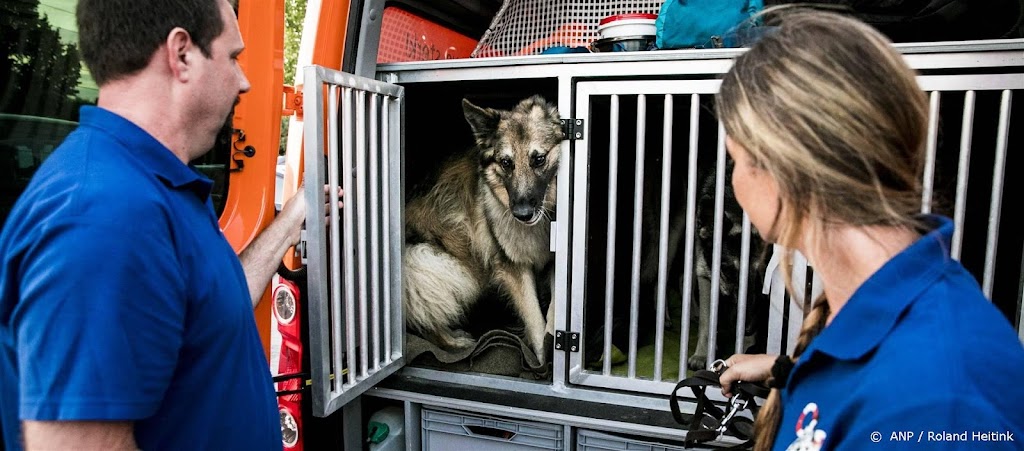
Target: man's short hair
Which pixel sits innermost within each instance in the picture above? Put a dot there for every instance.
(117, 38)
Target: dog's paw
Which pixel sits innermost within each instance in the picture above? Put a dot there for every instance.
(697, 362)
(542, 356)
(453, 340)
(463, 342)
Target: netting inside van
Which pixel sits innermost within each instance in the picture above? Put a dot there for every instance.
(529, 27)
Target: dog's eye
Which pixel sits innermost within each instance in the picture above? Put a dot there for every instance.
(538, 161)
(506, 163)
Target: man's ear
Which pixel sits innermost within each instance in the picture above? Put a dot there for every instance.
(178, 49)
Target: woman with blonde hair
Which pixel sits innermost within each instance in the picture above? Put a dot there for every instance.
(827, 128)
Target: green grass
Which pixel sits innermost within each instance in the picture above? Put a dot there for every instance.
(646, 349)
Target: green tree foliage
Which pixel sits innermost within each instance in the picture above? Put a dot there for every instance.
(38, 73)
(294, 14)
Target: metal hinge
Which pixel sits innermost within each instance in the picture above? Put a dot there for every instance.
(567, 341)
(292, 101)
(572, 129)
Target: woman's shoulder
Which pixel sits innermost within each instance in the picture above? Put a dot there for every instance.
(953, 337)
(955, 310)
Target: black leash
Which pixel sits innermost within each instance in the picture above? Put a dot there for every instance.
(709, 422)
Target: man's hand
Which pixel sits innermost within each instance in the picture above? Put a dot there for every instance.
(327, 201)
(293, 213)
(262, 257)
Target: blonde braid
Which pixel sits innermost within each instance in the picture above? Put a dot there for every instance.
(766, 426)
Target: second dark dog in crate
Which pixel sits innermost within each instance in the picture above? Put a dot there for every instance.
(729, 269)
(485, 225)
(728, 280)
(729, 274)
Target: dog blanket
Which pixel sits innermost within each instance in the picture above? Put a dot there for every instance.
(496, 352)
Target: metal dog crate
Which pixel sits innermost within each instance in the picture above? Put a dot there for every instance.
(643, 119)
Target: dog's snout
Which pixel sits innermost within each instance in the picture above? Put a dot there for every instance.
(523, 211)
(526, 197)
(524, 207)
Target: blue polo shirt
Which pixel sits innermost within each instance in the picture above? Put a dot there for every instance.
(917, 355)
(120, 299)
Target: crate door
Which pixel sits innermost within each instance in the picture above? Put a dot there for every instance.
(652, 157)
(353, 140)
(655, 146)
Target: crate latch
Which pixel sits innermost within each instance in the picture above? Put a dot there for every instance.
(567, 341)
(572, 129)
(300, 248)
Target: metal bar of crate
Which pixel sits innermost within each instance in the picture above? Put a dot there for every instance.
(335, 267)
(963, 171)
(929, 165)
(394, 198)
(638, 224)
(613, 169)
(375, 212)
(666, 182)
(716, 252)
(387, 149)
(998, 173)
(559, 316)
(579, 208)
(348, 230)
(362, 188)
(741, 300)
(688, 246)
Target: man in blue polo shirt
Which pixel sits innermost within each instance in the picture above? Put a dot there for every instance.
(125, 316)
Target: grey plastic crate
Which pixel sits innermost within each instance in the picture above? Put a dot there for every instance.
(597, 441)
(452, 431)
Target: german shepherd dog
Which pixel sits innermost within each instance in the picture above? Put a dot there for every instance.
(729, 272)
(485, 225)
(703, 247)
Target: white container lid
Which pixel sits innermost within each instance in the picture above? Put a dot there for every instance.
(621, 25)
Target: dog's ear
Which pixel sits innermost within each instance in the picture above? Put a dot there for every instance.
(550, 109)
(483, 121)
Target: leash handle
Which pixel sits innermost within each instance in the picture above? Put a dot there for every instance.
(698, 384)
(724, 421)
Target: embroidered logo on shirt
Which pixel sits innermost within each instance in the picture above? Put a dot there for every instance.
(807, 437)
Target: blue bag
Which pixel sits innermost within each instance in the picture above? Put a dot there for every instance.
(683, 24)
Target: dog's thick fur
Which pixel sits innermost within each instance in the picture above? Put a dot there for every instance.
(485, 224)
(703, 246)
(729, 271)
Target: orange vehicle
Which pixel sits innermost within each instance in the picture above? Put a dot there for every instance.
(376, 106)
(378, 126)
